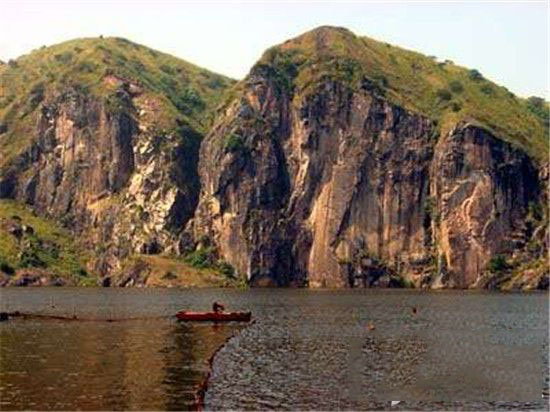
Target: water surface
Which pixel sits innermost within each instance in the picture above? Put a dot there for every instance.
(306, 350)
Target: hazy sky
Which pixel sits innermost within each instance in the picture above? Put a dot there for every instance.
(507, 41)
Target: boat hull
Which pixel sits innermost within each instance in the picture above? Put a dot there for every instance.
(214, 317)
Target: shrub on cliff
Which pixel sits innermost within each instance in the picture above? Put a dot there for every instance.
(169, 275)
(456, 86)
(86, 67)
(234, 143)
(497, 264)
(456, 106)
(200, 259)
(6, 267)
(64, 57)
(226, 268)
(116, 103)
(374, 86)
(36, 94)
(281, 66)
(349, 71)
(167, 69)
(540, 108)
(205, 258)
(30, 259)
(400, 282)
(487, 89)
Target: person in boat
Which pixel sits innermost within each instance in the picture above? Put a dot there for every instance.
(217, 307)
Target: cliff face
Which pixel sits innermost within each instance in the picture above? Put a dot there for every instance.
(79, 145)
(106, 142)
(341, 188)
(482, 189)
(332, 164)
(95, 166)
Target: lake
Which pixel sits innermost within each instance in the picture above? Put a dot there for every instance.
(307, 349)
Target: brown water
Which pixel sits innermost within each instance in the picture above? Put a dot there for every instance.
(306, 350)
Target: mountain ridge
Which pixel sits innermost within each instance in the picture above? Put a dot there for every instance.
(443, 91)
(338, 161)
(95, 64)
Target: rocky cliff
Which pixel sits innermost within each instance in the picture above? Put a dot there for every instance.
(115, 161)
(332, 184)
(92, 167)
(335, 163)
(344, 189)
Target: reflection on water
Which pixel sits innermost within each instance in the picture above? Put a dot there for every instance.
(89, 365)
(128, 365)
(307, 350)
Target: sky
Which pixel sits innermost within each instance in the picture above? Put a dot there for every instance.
(506, 41)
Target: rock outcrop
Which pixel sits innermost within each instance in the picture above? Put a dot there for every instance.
(96, 167)
(340, 188)
(482, 189)
(318, 170)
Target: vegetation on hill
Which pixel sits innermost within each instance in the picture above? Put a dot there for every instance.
(29, 242)
(170, 271)
(33, 245)
(444, 91)
(183, 91)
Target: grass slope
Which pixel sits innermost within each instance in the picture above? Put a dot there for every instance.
(47, 246)
(51, 250)
(169, 271)
(444, 91)
(184, 91)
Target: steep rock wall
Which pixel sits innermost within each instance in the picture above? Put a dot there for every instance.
(482, 188)
(340, 188)
(332, 187)
(103, 168)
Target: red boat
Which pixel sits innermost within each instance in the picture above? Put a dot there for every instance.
(214, 316)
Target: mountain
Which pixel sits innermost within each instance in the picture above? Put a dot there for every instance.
(102, 135)
(339, 161)
(343, 161)
(101, 66)
(442, 91)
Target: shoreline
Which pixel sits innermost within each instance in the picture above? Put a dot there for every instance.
(200, 393)
(96, 285)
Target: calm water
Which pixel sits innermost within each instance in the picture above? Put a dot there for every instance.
(306, 350)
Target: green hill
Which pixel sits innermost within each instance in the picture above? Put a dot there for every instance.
(185, 91)
(444, 91)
